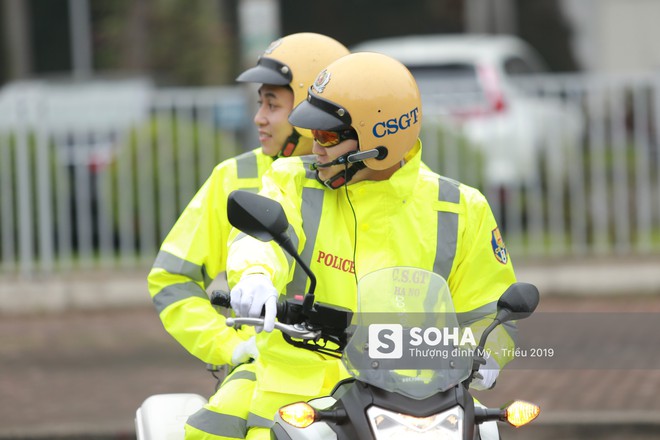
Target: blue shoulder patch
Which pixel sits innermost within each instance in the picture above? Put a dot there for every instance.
(499, 249)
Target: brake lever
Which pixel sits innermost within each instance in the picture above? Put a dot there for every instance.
(293, 330)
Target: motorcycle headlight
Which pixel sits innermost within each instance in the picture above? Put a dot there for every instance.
(390, 425)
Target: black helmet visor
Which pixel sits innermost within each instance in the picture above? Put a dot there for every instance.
(267, 71)
(320, 114)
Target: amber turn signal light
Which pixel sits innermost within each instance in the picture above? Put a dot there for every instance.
(299, 414)
(520, 413)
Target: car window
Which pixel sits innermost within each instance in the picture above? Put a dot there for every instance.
(448, 86)
(517, 66)
(444, 71)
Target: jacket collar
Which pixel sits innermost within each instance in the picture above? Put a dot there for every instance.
(401, 183)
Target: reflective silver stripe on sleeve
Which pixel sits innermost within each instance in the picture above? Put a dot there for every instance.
(218, 424)
(242, 375)
(294, 240)
(312, 204)
(487, 311)
(250, 189)
(292, 235)
(447, 233)
(247, 166)
(178, 266)
(255, 421)
(177, 292)
(467, 318)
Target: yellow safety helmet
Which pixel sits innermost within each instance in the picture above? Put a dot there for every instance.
(295, 60)
(374, 94)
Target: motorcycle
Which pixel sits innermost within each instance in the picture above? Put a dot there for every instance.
(389, 394)
(411, 362)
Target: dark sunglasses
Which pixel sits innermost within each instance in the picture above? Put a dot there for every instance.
(328, 139)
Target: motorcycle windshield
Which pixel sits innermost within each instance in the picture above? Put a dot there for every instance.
(406, 338)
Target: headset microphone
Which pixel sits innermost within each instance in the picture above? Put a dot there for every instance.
(363, 155)
(339, 161)
(350, 158)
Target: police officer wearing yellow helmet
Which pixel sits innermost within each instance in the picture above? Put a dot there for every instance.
(375, 206)
(194, 252)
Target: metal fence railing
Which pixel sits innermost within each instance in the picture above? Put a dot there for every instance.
(585, 180)
(570, 167)
(572, 171)
(104, 192)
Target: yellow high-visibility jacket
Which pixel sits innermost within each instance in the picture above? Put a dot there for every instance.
(416, 218)
(194, 253)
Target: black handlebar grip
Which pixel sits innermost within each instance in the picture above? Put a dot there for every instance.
(221, 298)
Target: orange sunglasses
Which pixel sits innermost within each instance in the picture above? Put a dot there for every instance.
(328, 139)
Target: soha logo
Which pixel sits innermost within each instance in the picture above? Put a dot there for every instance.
(386, 341)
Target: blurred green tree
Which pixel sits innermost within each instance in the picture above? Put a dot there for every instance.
(177, 42)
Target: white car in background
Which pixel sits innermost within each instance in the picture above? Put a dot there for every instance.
(472, 82)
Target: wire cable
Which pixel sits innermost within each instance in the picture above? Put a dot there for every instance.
(355, 231)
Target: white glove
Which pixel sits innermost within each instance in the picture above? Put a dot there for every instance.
(252, 294)
(489, 372)
(244, 351)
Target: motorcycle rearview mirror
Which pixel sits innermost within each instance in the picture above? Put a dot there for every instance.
(257, 216)
(265, 220)
(518, 302)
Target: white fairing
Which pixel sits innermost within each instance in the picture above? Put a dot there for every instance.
(489, 431)
(163, 416)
